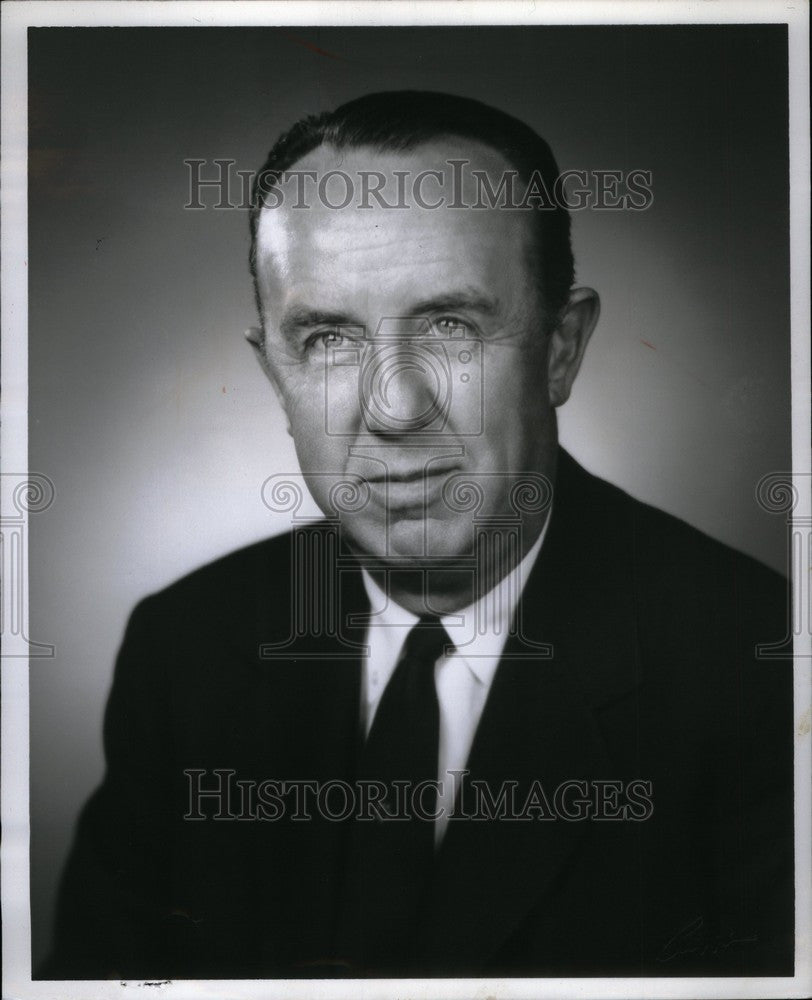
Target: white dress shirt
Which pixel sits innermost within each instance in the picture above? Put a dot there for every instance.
(462, 679)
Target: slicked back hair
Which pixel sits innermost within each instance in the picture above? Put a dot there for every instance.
(405, 119)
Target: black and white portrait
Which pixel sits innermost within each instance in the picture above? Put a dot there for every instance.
(414, 595)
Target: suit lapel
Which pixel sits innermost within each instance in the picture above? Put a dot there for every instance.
(310, 692)
(310, 671)
(542, 722)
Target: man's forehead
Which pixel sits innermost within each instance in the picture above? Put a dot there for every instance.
(310, 216)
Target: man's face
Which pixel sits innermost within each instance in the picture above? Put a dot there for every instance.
(408, 349)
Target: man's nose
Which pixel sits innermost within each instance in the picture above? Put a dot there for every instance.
(404, 389)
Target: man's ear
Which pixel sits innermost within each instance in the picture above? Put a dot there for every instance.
(568, 342)
(255, 336)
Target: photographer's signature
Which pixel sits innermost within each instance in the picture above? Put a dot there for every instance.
(693, 939)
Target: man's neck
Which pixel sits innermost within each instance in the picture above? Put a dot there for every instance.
(436, 591)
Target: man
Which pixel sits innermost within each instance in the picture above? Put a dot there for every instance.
(492, 716)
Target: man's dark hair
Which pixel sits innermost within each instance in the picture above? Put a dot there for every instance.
(404, 119)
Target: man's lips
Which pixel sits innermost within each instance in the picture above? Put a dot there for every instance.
(413, 475)
(409, 489)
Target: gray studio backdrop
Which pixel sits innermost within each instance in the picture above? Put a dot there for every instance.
(147, 410)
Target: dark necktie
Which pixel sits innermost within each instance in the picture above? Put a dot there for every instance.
(392, 858)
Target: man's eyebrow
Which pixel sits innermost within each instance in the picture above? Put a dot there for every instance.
(299, 318)
(455, 302)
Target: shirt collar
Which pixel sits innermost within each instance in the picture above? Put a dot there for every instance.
(479, 631)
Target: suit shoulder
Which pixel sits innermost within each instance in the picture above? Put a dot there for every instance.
(670, 547)
(227, 586)
(234, 602)
(680, 577)
(232, 568)
(666, 544)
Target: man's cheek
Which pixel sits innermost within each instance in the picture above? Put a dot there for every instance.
(302, 391)
(312, 445)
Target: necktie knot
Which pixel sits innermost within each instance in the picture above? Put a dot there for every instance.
(427, 641)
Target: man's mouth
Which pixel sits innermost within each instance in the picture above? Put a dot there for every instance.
(413, 474)
(410, 487)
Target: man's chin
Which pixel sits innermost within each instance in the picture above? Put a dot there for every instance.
(419, 542)
(429, 539)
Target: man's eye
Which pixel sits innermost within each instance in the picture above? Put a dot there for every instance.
(324, 338)
(452, 325)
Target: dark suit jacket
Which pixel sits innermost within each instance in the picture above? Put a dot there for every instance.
(653, 676)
